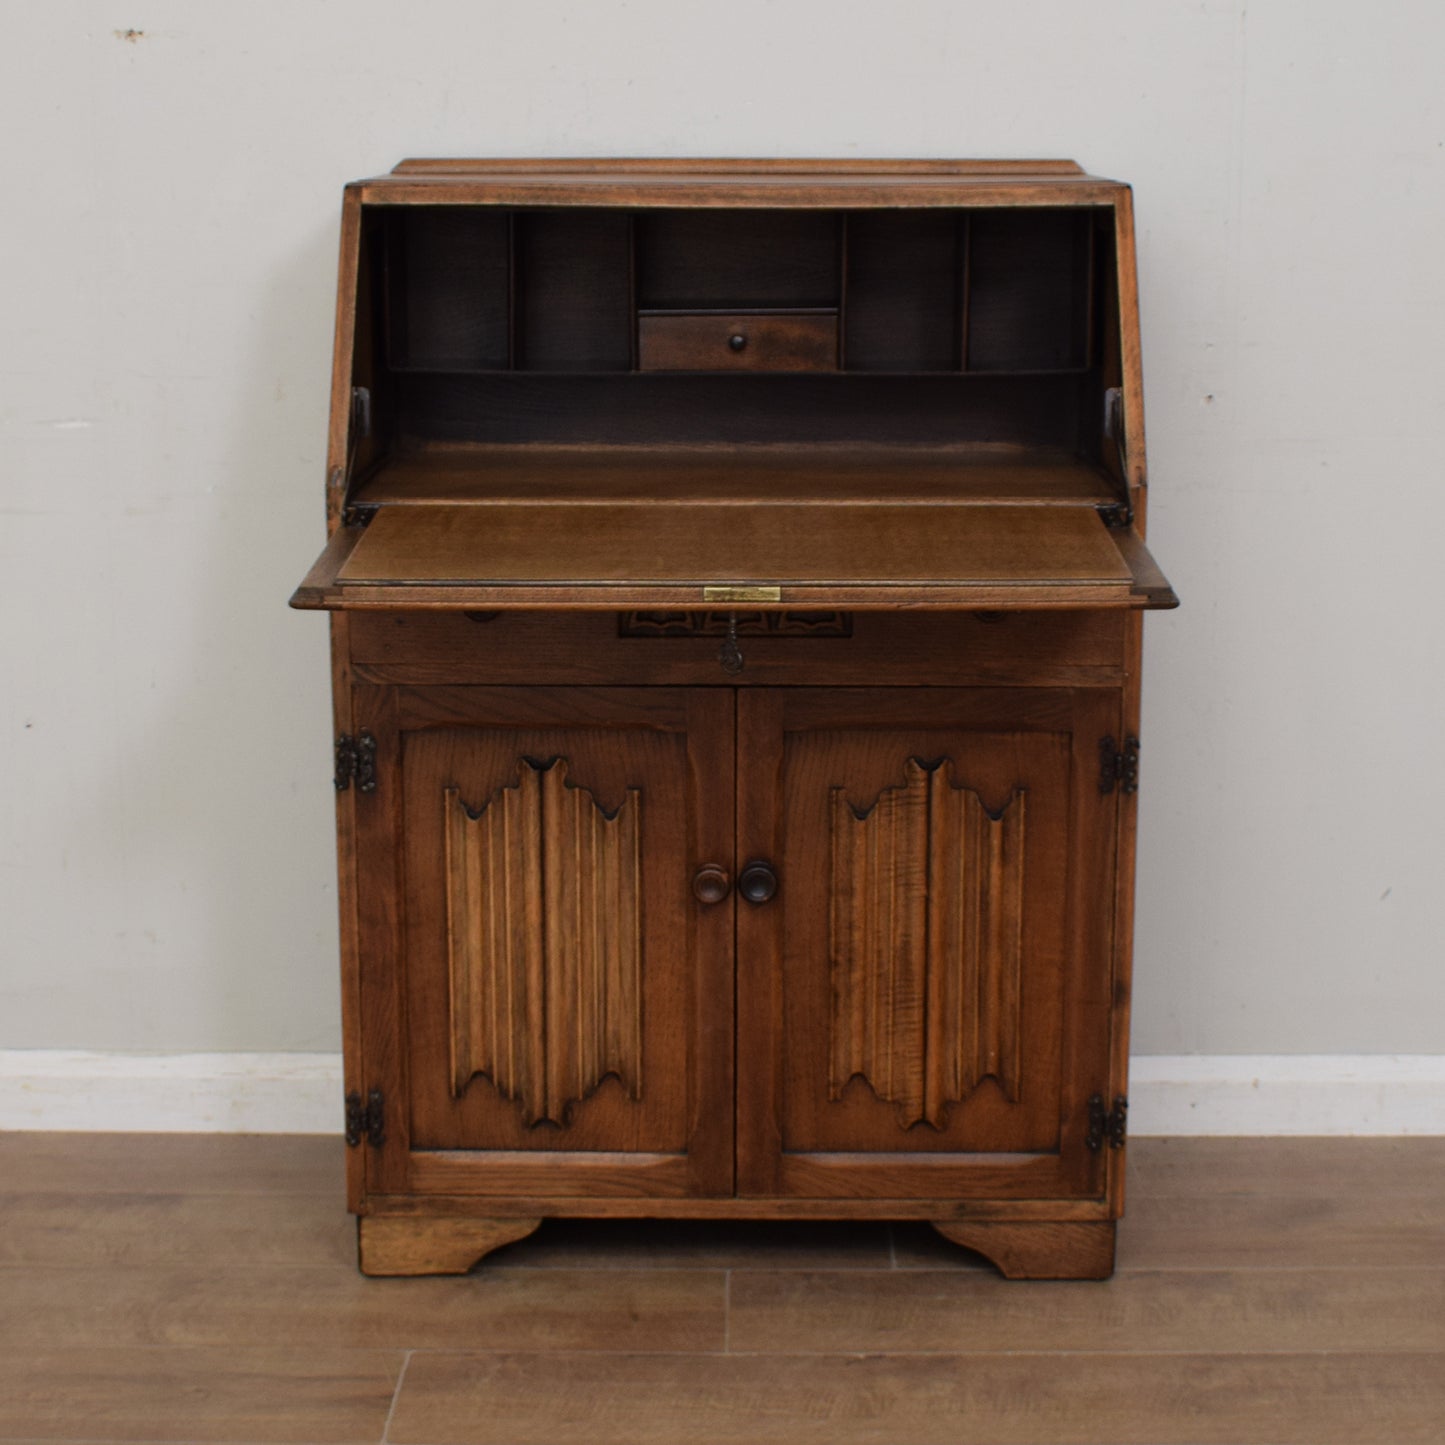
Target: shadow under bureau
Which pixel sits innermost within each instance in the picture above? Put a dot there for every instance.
(736, 573)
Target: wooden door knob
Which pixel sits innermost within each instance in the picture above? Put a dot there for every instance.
(758, 882)
(711, 884)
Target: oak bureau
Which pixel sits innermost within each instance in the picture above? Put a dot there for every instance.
(736, 573)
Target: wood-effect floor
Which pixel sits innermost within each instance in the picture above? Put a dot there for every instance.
(203, 1288)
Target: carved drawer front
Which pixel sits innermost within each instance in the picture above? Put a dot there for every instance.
(555, 968)
(928, 953)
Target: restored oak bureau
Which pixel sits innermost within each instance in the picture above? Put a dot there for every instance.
(736, 573)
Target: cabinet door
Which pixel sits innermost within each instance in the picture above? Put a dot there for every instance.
(538, 980)
(924, 1003)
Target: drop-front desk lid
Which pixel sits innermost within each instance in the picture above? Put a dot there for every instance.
(434, 540)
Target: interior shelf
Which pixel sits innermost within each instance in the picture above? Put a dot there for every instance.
(755, 476)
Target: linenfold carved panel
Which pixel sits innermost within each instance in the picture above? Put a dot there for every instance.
(545, 941)
(926, 946)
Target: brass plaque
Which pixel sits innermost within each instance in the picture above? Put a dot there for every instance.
(742, 594)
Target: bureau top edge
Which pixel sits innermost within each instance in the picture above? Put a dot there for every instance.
(740, 183)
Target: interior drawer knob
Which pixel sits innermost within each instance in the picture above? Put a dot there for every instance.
(758, 882)
(737, 341)
(711, 884)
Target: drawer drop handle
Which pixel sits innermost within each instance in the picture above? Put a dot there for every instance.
(757, 882)
(711, 884)
(737, 341)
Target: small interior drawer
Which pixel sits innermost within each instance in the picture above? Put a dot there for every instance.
(737, 341)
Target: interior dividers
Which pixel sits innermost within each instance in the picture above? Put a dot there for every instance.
(408, 352)
(511, 290)
(964, 242)
(634, 341)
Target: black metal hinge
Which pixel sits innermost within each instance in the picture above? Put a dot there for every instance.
(1111, 1124)
(356, 762)
(366, 1121)
(1116, 514)
(1118, 768)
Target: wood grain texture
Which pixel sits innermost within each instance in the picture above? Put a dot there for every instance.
(1258, 1227)
(1042, 1250)
(925, 942)
(753, 185)
(1293, 1167)
(544, 933)
(42, 1162)
(377, 833)
(462, 596)
(278, 1306)
(189, 1226)
(323, 572)
(1038, 648)
(349, 938)
(1286, 1310)
(786, 543)
(1131, 356)
(1331, 1228)
(623, 556)
(270, 1394)
(436, 1245)
(338, 437)
(962, 1311)
(955, 1399)
(1007, 1187)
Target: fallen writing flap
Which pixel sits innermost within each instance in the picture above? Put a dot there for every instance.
(644, 554)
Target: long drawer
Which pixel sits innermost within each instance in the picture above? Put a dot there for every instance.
(684, 648)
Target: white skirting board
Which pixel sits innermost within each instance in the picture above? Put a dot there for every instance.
(171, 1093)
(302, 1093)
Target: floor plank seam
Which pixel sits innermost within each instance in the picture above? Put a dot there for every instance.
(1349, 1351)
(1245, 1266)
(395, 1397)
(651, 1269)
(292, 1271)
